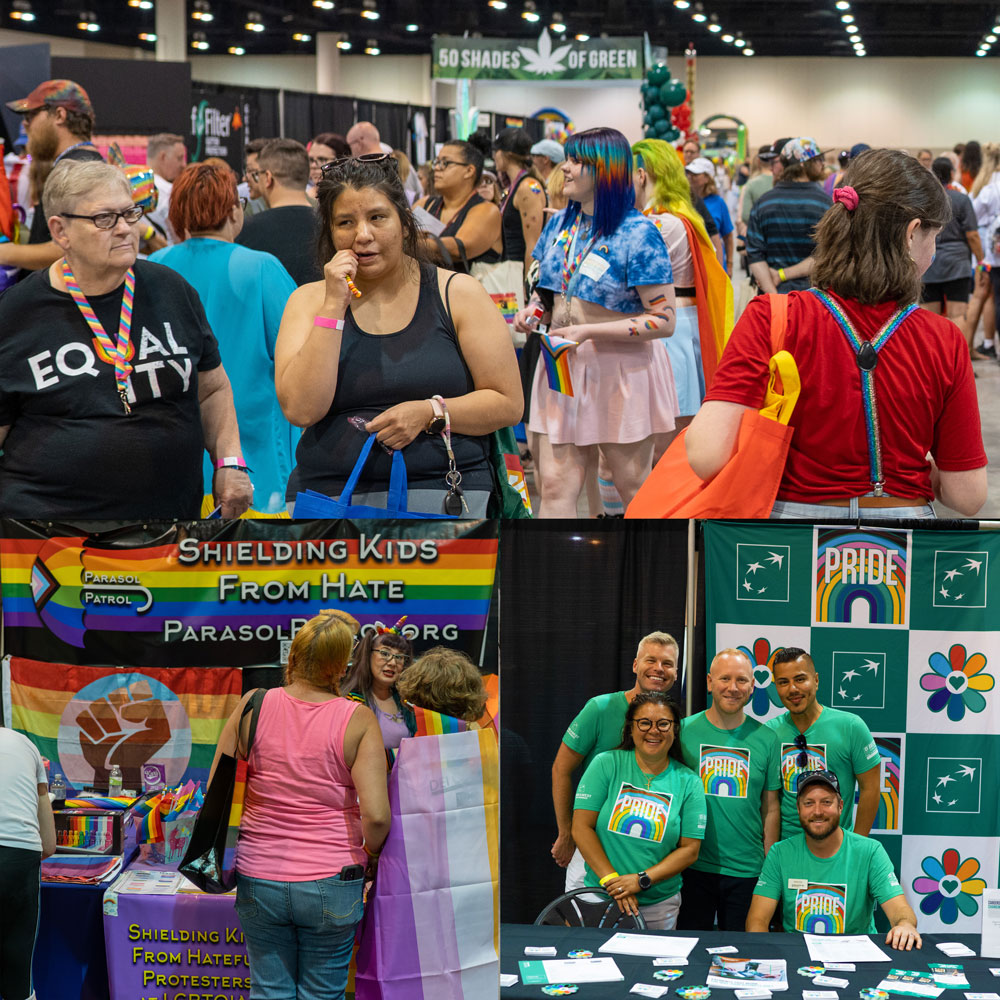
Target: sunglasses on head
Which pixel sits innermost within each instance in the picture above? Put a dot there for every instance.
(803, 747)
(343, 161)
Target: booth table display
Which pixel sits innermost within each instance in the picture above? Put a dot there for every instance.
(173, 945)
(790, 947)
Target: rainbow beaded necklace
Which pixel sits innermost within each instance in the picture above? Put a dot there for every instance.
(866, 356)
(112, 352)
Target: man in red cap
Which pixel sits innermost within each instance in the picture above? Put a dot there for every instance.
(59, 121)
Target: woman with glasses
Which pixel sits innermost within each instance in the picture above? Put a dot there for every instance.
(323, 149)
(379, 661)
(111, 383)
(471, 231)
(244, 294)
(420, 357)
(639, 814)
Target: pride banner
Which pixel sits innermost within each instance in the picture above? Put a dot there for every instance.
(236, 593)
(86, 719)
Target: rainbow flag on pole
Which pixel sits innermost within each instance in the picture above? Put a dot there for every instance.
(555, 352)
(85, 719)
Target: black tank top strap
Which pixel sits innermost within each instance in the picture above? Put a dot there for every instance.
(514, 247)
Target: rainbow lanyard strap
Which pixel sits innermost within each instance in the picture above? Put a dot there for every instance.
(113, 353)
(866, 356)
(571, 261)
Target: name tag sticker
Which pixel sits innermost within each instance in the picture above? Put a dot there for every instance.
(594, 267)
(798, 883)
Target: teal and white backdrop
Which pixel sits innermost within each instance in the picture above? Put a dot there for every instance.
(904, 628)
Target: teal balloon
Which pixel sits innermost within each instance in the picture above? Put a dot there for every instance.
(672, 135)
(655, 113)
(648, 91)
(672, 93)
(658, 75)
(662, 128)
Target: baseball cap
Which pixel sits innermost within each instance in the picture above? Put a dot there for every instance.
(858, 148)
(57, 93)
(766, 153)
(801, 149)
(701, 165)
(549, 148)
(807, 778)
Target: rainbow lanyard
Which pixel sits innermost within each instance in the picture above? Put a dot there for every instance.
(113, 353)
(866, 355)
(572, 259)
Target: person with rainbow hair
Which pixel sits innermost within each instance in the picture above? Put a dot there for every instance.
(702, 289)
(605, 283)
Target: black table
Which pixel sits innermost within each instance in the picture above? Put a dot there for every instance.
(791, 947)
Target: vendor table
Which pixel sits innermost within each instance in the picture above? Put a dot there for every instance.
(791, 947)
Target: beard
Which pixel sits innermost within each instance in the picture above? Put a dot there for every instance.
(43, 142)
(822, 833)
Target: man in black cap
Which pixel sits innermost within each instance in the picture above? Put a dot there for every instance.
(827, 878)
(762, 183)
(59, 120)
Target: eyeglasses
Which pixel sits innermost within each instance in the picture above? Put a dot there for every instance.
(803, 747)
(390, 657)
(369, 158)
(108, 220)
(320, 161)
(253, 175)
(440, 163)
(30, 116)
(662, 725)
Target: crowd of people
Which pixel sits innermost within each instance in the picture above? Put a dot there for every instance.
(333, 294)
(668, 829)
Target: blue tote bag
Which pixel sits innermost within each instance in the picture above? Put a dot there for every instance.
(310, 504)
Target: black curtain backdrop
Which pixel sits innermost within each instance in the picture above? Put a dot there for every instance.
(575, 598)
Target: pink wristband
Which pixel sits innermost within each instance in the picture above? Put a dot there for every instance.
(232, 462)
(329, 324)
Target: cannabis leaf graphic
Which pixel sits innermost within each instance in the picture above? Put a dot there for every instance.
(544, 61)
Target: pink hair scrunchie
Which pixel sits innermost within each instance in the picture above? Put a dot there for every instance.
(847, 197)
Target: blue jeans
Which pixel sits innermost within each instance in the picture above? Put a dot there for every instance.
(299, 935)
(824, 512)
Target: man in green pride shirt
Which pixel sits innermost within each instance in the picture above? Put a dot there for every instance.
(736, 760)
(828, 879)
(597, 728)
(813, 737)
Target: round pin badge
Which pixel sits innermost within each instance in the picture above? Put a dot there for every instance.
(694, 992)
(560, 989)
(811, 970)
(666, 975)
(580, 953)
(870, 993)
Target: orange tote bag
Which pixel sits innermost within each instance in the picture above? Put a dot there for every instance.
(747, 484)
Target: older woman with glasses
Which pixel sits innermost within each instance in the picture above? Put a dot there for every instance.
(472, 227)
(244, 293)
(111, 384)
(379, 661)
(388, 344)
(639, 815)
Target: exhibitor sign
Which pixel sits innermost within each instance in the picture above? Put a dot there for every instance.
(506, 59)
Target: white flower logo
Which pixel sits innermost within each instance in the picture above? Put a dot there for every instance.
(544, 61)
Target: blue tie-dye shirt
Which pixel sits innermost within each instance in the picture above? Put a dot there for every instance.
(635, 255)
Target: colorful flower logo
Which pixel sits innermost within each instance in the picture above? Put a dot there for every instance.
(764, 694)
(949, 886)
(957, 681)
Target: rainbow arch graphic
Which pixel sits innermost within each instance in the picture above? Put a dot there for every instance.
(887, 817)
(821, 908)
(865, 555)
(640, 813)
(724, 771)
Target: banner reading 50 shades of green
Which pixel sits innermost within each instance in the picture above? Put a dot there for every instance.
(546, 59)
(904, 628)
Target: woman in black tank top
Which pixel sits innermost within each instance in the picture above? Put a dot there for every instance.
(414, 334)
(522, 211)
(472, 224)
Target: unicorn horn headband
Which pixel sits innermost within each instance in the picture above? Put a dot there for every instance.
(396, 629)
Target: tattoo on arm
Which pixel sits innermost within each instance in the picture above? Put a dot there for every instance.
(658, 300)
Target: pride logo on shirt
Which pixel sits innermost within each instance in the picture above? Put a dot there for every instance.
(815, 761)
(724, 771)
(821, 908)
(640, 813)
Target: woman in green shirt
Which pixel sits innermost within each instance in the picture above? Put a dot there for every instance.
(639, 815)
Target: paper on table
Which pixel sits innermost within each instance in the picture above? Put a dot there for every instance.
(426, 221)
(982, 996)
(820, 995)
(911, 984)
(753, 993)
(507, 979)
(951, 977)
(830, 981)
(651, 945)
(570, 970)
(955, 949)
(730, 973)
(990, 945)
(150, 883)
(844, 948)
(675, 961)
(649, 990)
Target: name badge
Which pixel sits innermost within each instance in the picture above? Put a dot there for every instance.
(594, 267)
(798, 883)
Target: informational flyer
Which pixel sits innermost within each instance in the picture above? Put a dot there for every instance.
(827, 948)
(570, 970)
(732, 972)
(648, 945)
(910, 984)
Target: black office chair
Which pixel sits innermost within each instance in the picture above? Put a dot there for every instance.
(588, 907)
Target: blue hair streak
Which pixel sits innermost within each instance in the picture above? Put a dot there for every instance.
(607, 156)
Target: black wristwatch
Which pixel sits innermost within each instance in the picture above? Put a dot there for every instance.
(645, 882)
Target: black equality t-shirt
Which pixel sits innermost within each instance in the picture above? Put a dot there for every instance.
(290, 233)
(71, 450)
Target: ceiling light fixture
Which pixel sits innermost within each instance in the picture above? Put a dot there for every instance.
(498, 4)
(236, 50)
(842, 5)
(369, 11)
(991, 38)
(344, 45)
(530, 13)
(740, 42)
(413, 27)
(202, 11)
(847, 18)
(147, 36)
(22, 11)
(253, 22)
(748, 52)
(715, 28)
(372, 49)
(682, 4)
(728, 39)
(324, 4)
(199, 41)
(141, 4)
(88, 21)
(301, 37)
(558, 25)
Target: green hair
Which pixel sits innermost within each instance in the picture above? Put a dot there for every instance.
(671, 191)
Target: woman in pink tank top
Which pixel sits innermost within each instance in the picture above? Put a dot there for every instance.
(316, 810)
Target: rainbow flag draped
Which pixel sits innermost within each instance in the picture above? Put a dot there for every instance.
(84, 719)
(441, 858)
(555, 353)
(431, 723)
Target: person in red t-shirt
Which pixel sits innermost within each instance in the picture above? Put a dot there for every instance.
(872, 247)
